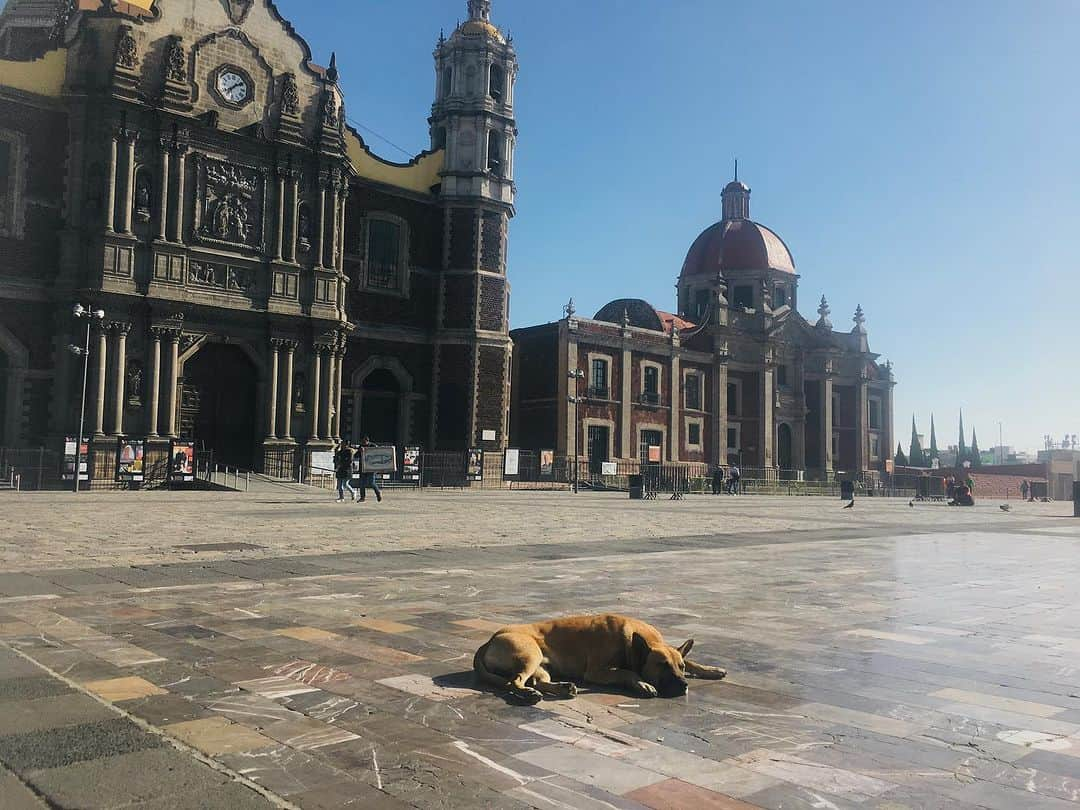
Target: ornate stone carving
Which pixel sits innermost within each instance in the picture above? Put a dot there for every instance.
(176, 60)
(223, 277)
(330, 117)
(238, 10)
(230, 204)
(290, 95)
(134, 384)
(127, 50)
(142, 197)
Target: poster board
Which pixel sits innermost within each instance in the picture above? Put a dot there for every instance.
(378, 459)
(410, 464)
(474, 465)
(322, 462)
(182, 461)
(511, 463)
(547, 463)
(130, 460)
(69, 460)
(609, 468)
(654, 454)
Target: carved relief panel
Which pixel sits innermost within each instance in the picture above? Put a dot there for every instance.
(230, 206)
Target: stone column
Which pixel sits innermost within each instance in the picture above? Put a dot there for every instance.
(278, 256)
(626, 402)
(271, 428)
(163, 209)
(889, 440)
(155, 384)
(102, 368)
(181, 171)
(862, 412)
(120, 333)
(173, 381)
(320, 252)
(767, 421)
(110, 211)
(131, 138)
(720, 408)
(294, 214)
(339, 368)
(328, 395)
(290, 350)
(316, 387)
(343, 188)
(827, 421)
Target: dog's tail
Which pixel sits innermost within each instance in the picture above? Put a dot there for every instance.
(484, 674)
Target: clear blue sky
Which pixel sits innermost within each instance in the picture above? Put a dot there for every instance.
(920, 159)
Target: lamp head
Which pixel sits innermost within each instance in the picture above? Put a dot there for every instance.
(78, 310)
(99, 314)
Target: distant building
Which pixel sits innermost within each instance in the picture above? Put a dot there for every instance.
(1062, 469)
(736, 376)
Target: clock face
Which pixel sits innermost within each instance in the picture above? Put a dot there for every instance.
(233, 87)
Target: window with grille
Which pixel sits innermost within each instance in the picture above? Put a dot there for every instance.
(650, 438)
(495, 162)
(780, 296)
(599, 387)
(497, 83)
(693, 392)
(650, 393)
(693, 434)
(874, 407)
(384, 255)
(743, 297)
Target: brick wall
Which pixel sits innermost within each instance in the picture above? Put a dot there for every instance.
(458, 296)
(990, 482)
(491, 388)
(492, 303)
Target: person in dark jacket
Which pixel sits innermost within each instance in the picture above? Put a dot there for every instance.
(343, 458)
(718, 480)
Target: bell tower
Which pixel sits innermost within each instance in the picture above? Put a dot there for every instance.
(472, 121)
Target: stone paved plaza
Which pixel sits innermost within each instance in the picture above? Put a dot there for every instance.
(882, 657)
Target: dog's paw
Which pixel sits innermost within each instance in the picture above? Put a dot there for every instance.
(716, 674)
(645, 689)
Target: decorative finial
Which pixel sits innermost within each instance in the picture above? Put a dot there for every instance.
(569, 310)
(824, 312)
(860, 320)
(442, 36)
(625, 316)
(332, 71)
(736, 170)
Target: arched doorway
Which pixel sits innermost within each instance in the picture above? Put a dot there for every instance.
(380, 407)
(783, 447)
(218, 408)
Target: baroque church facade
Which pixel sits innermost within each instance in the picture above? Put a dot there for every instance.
(270, 285)
(735, 376)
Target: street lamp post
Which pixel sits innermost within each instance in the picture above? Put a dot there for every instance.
(574, 399)
(1001, 445)
(83, 313)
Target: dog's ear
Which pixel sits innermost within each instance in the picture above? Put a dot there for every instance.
(684, 650)
(639, 652)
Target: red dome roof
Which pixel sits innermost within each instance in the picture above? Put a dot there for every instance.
(737, 244)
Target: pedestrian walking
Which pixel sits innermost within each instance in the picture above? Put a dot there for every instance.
(718, 480)
(367, 479)
(1024, 490)
(734, 477)
(343, 458)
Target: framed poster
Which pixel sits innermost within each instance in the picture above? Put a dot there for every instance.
(654, 454)
(410, 465)
(474, 465)
(547, 463)
(609, 468)
(511, 463)
(130, 458)
(69, 460)
(322, 463)
(182, 461)
(378, 459)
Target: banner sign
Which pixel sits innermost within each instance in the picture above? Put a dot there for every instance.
(511, 463)
(410, 466)
(69, 460)
(322, 463)
(547, 463)
(182, 461)
(474, 465)
(130, 458)
(609, 468)
(378, 459)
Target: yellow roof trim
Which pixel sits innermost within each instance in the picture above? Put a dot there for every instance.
(43, 77)
(419, 175)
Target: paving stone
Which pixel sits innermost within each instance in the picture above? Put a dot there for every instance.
(58, 747)
(675, 795)
(72, 709)
(216, 735)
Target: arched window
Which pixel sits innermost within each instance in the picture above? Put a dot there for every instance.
(385, 253)
(497, 82)
(495, 162)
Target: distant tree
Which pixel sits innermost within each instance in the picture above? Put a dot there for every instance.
(900, 460)
(933, 454)
(916, 455)
(976, 459)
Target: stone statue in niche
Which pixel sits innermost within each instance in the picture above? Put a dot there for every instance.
(290, 96)
(230, 205)
(330, 111)
(298, 392)
(142, 198)
(303, 228)
(231, 219)
(176, 61)
(127, 50)
(134, 382)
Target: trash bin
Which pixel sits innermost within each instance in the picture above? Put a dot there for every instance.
(637, 487)
(847, 490)
(1076, 499)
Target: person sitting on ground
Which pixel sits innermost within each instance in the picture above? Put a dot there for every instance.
(962, 496)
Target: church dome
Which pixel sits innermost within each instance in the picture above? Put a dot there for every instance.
(479, 28)
(737, 244)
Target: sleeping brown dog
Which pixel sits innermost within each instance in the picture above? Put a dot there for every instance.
(608, 650)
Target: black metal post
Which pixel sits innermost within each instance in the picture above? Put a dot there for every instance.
(82, 409)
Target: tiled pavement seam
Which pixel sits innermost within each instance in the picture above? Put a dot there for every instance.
(129, 721)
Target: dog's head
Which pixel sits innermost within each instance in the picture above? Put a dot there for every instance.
(662, 666)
